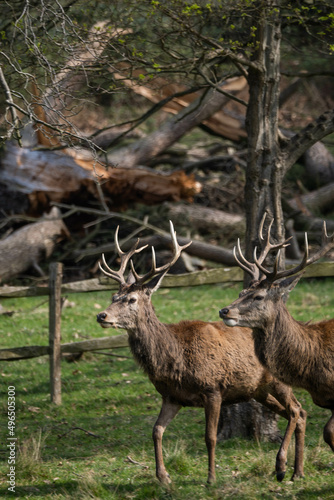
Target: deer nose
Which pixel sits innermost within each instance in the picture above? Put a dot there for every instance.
(101, 317)
(224, 312)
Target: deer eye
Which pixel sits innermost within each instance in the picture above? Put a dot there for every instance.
(258, 297)
(132, 300)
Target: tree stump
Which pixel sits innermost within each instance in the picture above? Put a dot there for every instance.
(248, 420)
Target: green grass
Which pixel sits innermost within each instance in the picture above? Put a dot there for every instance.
(113, 400)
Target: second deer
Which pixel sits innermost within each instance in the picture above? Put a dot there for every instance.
(298, 354)
(195, 363)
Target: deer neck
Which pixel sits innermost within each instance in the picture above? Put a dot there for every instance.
(286, 348)
(155, 347)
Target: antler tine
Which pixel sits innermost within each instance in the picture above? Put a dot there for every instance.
(118, 248)
(275, 274)
(261, 226)
(107, 271)
(267, 246)
(327, 242)
(125, 256)
(270, 275)
(326, 245)
(177, 249)
(250, 268)
(141, 279)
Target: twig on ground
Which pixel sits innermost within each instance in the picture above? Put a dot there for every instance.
(129, 459)
(80, 429)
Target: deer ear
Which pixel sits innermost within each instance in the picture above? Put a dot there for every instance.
(288, 285)
(130, 280)
(153, 285)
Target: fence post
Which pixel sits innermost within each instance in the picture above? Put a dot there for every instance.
(55, 281)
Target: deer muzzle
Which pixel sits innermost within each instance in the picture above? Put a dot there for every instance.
(223, 313)
(101, 318)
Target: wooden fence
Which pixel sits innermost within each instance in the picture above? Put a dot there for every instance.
(56, 288)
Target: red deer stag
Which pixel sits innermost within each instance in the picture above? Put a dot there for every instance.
(298, 354)
(193, 363)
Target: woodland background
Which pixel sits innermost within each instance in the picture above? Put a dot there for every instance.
(107, 119)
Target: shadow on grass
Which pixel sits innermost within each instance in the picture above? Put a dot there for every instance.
(150, 489)
(74, 489)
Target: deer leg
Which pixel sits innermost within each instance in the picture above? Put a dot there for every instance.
(329, 432)
(287, 406)
(166, 415)
(299, 445)
(212, 412)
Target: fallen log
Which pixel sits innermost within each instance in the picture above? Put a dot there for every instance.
(49, 176)
(197, 248)
(28, 245)
(319, 201)
(205, 218)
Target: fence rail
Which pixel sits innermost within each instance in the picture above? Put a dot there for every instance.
(35, 351)
(196, 278)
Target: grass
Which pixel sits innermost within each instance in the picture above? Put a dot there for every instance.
(98, 443)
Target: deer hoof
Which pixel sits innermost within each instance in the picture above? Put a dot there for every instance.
(297, 476)
(165, 479)
(211, 480)
(280, 476)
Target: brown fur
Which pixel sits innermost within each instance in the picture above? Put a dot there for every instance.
(195, 363)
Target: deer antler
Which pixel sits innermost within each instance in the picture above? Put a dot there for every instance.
(254, 268)
(125, 257)
(326, 244)
(177, 249)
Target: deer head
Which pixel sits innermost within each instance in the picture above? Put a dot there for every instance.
(133, 299)
(257, 305)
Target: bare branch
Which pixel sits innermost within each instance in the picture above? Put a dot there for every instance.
(321, 127)
(15, 128)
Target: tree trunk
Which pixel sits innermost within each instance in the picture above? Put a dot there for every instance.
(263, 181)
(264, 172)
(248, 420)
